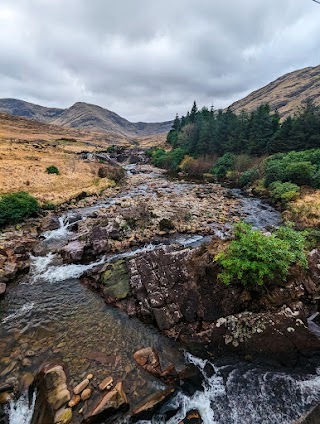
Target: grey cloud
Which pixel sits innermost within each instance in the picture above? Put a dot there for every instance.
(147, 60)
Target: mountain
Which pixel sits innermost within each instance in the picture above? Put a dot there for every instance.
(286, 94)
(83, 116)
(16, 128)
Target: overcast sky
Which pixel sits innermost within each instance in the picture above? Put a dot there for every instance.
(148, 59)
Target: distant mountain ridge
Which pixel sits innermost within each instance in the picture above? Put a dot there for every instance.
(286, 94)
(83, 116)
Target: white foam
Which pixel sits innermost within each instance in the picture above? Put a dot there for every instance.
(19, 411)
(60, 233)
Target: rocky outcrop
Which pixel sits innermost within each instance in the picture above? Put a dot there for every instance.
(53, 396)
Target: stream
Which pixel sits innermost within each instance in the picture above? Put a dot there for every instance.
(48, 315)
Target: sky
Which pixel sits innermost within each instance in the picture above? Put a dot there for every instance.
(148, 59)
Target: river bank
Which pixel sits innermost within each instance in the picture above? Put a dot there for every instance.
(151, 228)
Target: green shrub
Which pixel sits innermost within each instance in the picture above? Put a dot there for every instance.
(284, 192)
(17, 206)
(52, 170)
(255, 259)
(168, 160)
(300, 173)
(223, 165)
(111, 149)
(248, 177)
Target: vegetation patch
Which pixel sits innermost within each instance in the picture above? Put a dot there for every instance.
(254, 259)
(17, 206)
(52, 170)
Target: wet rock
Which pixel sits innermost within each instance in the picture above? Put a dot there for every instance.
(4, 398)
(63, 416)
(106, 383)
(282, 335)
(81, 386)
(26, 382)
(148, 359)
(151, 405)
(73, 252)
(3, 288)
(111, 403)
(312, 417)
(74, 401)
(86, 394)
(9, 368)
(52, 396)
(89, 377)
(115, 281)
(192, 417)
(191, 379)
(98, 240)
(26, 362)
(50, 223)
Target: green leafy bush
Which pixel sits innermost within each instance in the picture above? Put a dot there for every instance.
(17, 206)
(52, 170)
(255, 259)
(284, 192)
(302, 168)
(168, 160)
(249, 177)
(223, 165)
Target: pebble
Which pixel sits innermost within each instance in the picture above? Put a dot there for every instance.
(89, 376)
(86, 394)
(74, 401)
(106, 383)
(80, 387)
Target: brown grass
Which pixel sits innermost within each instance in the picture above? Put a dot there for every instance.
(305, 211)
(23, 168)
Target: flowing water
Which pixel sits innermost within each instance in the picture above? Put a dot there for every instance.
(49, 315)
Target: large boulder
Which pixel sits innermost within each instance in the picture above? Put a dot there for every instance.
(73, 252)
(115, 281)
(50, 223)
(53, 396)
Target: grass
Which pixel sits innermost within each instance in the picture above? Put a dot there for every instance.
(305, 211)
(23, 168)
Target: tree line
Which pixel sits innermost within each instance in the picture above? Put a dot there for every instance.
(260, 132)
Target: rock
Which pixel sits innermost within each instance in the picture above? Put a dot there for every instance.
(74, 401)
(3, 288)
(81, 386)
(86, 394)
(192, 417)
(73, 252)
(151, 405)
(115, 400)
(9, 368)
(26, 382)
(98, 240)
(148, 359)
(115, 281)
(50, 223)
(89, 377)
(4, 398)
(107, 382)
(312, 417)
(26, 362)
(53, 396)
(63, 416)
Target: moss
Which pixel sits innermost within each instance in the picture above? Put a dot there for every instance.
(115, 280)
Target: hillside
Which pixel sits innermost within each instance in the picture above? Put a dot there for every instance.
(83, 116)
(17, 128)
(287, 94)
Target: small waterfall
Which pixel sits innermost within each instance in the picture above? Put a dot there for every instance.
(60, 233)
(20, 411)
(243, 394)
(42, 269)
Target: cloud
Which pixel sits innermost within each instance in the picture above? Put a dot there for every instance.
(148, 60)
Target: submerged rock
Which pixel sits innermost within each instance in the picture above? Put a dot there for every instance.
(3, 288)
(147, 409)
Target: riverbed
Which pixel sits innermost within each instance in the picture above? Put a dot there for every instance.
(48, 315)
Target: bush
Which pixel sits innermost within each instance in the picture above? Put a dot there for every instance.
(249, 177)
(168, 160)
(300, 173)
(223, 165)
(196, 167)
(52, 170)
(17, 206)
(284, 192)
(255, 259)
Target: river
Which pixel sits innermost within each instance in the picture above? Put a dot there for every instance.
(48, 315)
